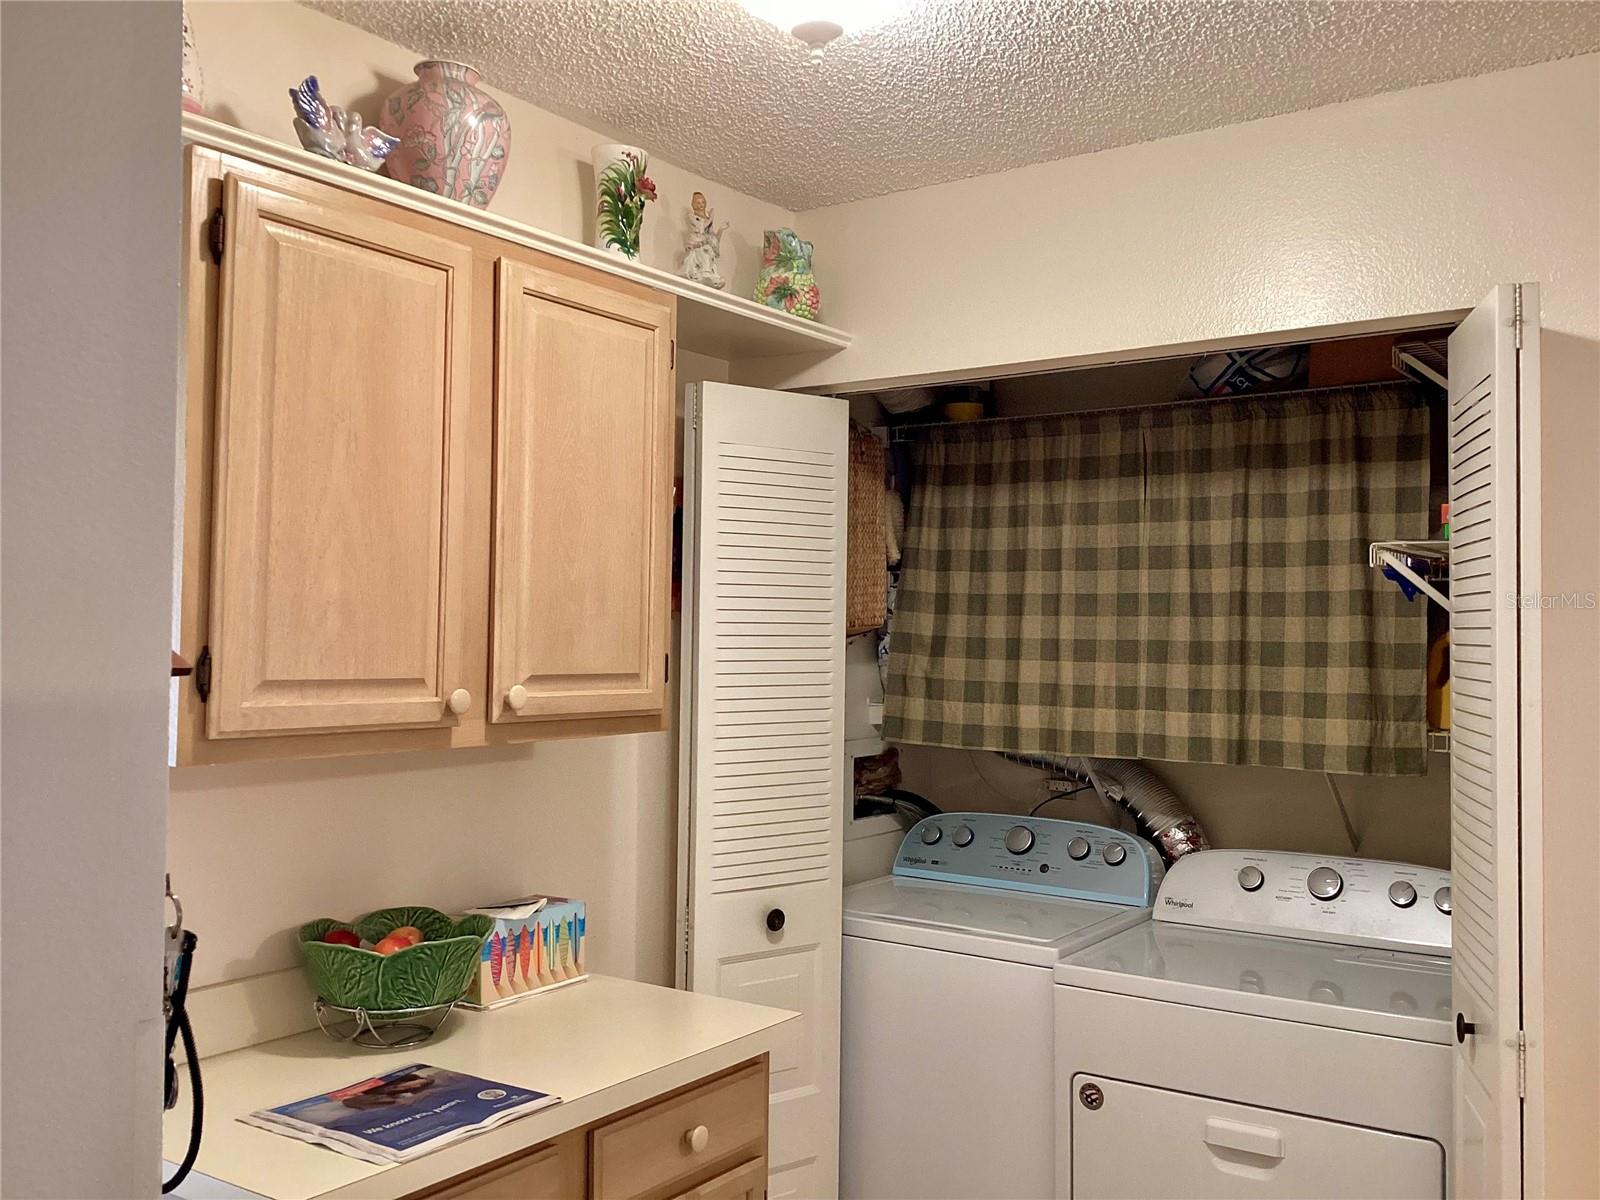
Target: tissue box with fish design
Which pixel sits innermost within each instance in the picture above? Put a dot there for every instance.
(537, 943)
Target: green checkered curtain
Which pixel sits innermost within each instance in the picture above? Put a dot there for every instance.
(1188, 584)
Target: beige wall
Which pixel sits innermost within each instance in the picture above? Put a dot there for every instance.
(91, 186)
(253, 51)
(1408, 203)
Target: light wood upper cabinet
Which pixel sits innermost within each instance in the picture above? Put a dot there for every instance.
(423, 467)
(582, 498)
(342, 361)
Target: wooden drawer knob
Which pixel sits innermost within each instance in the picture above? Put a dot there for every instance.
(460, 700)
(697, 1139)
(517, 698)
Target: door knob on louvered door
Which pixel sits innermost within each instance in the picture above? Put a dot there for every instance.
(517, 698)
(775, 920)
(1464, 1028)
(460, 700)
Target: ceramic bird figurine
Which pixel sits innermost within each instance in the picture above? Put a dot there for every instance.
(338, 133)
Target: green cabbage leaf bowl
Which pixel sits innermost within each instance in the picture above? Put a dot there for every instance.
(434, 971)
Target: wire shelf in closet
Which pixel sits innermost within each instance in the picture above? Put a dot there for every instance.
(1404, 559)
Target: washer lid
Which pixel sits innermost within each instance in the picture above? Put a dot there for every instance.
(1387, 992)
(987, 922)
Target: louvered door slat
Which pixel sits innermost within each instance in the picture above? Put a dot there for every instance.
(1484, 775)
(763, 751)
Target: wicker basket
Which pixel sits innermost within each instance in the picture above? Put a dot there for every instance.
(866, 574)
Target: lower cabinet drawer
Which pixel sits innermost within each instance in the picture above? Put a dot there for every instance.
(552, 1172)
(674, 1146)
(748, 1181)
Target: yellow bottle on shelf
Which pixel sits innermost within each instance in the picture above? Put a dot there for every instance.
(1439, 682)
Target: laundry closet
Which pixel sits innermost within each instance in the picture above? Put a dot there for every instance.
(1395, 806)
(1158, 769)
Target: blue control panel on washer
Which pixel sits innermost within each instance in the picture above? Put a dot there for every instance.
(1071, 859)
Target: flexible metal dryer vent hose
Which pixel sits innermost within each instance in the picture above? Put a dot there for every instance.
(1161, 816)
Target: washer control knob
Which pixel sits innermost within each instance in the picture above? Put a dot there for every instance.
(962, 836)
(1019, 839)
(1325, 883)
(1114, 853)
(1251, 878)
(1402, 894)
(1441, 900)
(1078, 849)
(931, 835)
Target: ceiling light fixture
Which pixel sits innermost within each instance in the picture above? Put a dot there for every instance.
(819, 22)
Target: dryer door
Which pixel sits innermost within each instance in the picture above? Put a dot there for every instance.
(1146, 1143)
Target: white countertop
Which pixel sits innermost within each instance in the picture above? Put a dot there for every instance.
(601, 1045)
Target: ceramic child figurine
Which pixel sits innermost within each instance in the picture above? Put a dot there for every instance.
(703, 247)
(333, 132)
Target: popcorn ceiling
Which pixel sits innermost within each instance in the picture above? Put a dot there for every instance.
(956, 88)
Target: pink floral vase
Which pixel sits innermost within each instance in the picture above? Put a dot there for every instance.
(193, 85)
(786, 282)
(455, 138)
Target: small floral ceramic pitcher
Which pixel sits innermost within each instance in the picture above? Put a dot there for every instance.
(786, 281)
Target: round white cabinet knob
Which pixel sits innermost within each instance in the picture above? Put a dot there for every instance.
(517, 698)
(460, 700)
(697, 1139)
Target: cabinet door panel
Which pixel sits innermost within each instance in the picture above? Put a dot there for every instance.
(343, 358)
(583, 498)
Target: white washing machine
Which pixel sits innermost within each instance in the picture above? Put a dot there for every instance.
(1279, 1029)
(945, 1061)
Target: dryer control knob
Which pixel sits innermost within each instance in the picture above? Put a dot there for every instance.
(1019, 839)
(1402, 894)
(931, 835)
(1078, 849)
(1251, 878)
(1441, 900)
(1114, 853)
(962, 836)
(1325, 883)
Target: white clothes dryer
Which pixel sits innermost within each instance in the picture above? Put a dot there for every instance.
(1279, 1030)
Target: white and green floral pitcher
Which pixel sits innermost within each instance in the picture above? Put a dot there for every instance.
(786, 281)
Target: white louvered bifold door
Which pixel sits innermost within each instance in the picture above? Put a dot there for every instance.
(1490, 357)
(761, 839)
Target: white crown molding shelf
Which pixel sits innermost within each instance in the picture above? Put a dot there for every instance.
(709, 322)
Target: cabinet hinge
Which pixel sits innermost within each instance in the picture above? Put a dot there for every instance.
(1522, 1064)
(672, 354)
(666, 668)
(202, 674)
(1516, 315)
(216, 233)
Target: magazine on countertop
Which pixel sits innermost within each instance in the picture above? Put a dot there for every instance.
(395, 1117)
